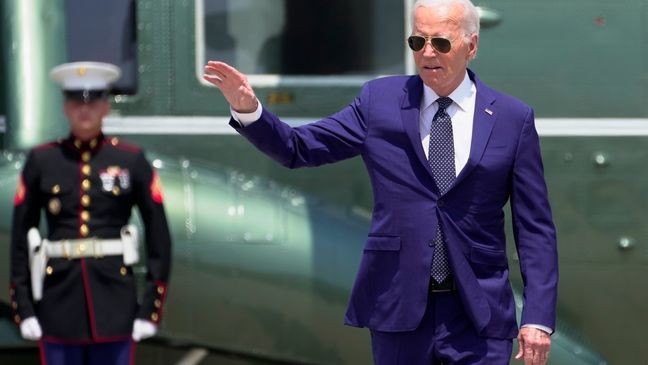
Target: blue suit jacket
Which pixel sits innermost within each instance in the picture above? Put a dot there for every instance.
(391, 288)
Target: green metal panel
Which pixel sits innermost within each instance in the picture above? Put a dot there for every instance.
(33, 43)
(2, 77)
(599, 197)
(155, 56)
(578, 58)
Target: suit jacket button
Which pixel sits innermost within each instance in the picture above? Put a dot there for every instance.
(431, 243)
(440, 203)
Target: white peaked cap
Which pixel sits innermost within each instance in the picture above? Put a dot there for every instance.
(85, 75)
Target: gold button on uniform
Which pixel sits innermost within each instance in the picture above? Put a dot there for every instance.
(85, 169)
(84, 230)
(85, 185)
(85, 201)
(154, 317)
(123, 271)
(85, 156)
(54, 206)
(93, 143)
(85, 216)
(77, 143)
(160, 290)
(49, 270)
(56, 189)
(157, 303)
(116, 190)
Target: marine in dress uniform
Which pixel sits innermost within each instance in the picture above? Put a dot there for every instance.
(87, 311)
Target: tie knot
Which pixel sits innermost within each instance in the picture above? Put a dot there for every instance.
(444, 102)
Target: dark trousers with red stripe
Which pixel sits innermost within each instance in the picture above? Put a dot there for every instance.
(106, 353)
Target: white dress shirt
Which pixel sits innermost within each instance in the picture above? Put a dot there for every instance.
(461, 112)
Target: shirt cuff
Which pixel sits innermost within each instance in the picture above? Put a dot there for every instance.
(539, 326)
(246, 119)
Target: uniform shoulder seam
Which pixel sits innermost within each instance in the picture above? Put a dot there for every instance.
(46, 145)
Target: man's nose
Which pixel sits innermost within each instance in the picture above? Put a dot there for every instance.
(428, 50)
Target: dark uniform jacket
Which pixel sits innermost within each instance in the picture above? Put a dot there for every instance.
(89, 190)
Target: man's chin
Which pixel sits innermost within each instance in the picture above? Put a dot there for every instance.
(86, 130)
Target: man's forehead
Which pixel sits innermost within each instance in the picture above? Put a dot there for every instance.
(445, 14)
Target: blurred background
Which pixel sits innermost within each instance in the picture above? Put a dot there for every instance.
(264, 257)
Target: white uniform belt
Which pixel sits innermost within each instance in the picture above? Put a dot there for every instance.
(41, 250)
(84, 247)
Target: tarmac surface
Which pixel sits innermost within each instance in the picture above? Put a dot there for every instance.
(146, 354)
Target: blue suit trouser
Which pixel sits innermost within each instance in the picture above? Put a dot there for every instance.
(445, 336)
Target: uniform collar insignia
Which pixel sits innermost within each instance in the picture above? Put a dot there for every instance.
(77, 144)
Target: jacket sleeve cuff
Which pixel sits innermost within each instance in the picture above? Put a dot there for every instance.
(540, 327)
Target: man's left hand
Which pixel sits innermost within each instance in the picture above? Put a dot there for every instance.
(534, 346)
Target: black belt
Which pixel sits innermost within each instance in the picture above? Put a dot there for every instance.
(445, 286)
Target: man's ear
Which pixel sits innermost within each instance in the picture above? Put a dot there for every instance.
(472, 46)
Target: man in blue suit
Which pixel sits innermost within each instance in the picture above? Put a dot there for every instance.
(444, 153)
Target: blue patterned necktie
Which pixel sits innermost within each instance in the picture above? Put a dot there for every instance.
(442, 162)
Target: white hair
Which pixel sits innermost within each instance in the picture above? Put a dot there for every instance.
(470, 15)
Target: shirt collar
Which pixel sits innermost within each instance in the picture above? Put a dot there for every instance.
(461, 95)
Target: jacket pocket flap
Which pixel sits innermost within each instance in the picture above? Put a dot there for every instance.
(383, 243)
(488, 257)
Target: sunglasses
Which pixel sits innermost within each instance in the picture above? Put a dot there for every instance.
(417, 43)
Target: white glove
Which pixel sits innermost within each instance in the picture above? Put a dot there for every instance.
(143, 329)
(30, 329)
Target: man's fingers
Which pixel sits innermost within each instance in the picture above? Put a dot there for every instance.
(520, 353)
(213, 79)
(233, 84)
(225, 72)
(534, 346)
(214, 72)
(223, 68)
(528, 355)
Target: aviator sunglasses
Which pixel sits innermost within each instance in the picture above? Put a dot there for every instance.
(417, 42)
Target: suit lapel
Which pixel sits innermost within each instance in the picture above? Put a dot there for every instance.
(483, 122)
(410, 114)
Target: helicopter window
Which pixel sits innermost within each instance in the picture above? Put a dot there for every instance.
(299, 38)
(100, 30)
